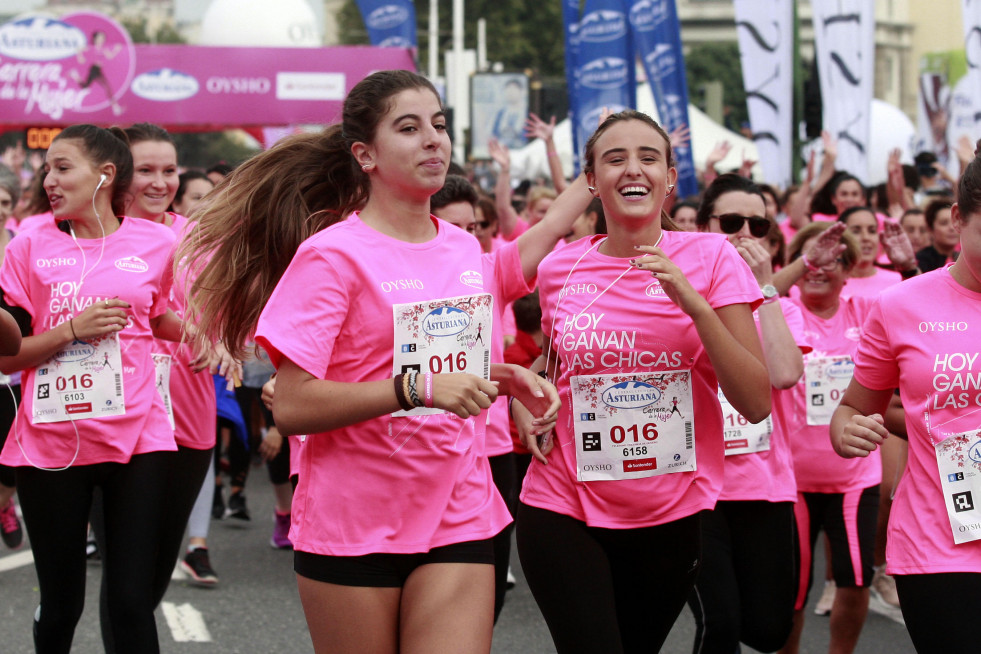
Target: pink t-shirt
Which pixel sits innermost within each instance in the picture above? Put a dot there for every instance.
(633, 326)
(818, 468)
(393, 485)
(870, 287)
(41, 273)
(192, 394)
(502, 269)
(769, 475)
(923, 338)
(33, 221)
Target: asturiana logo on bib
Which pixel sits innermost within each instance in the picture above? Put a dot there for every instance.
(472, 278)
(77, 351)
(387, 17)
(40, 39)
(841, 370)
(445, 321)
(631, 395)
(165, 85)
(132, 264)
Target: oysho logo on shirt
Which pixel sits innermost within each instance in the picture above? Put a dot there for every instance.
(958, 326)
(56, 262)
(401, 285)
(472, 278)
(132, 264)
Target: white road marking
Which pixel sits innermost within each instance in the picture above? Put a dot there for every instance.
(186, 623)
(18, 560)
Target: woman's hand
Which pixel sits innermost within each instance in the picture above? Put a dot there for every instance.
(500, 154)
(826, 248)
(536, 393)
(535, 127)
(860, 436)
(217, 360)
(269, 392)
(679, 136)
(99, 319)
(759, 260)
(460, 393)
(535, 435)
(271, 444)
(676, 286)
(897, 246)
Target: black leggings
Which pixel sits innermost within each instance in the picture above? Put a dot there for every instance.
(56, 513)
(939, 610)
(746, 588)
(607, 591)
(9, 401)
(502, 470)
(185, 476)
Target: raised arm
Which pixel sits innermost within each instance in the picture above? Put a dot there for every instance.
(535, 127)
(507, 218)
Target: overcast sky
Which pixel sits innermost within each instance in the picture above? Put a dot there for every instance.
(187, 10)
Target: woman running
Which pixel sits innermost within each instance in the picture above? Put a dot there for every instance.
(609, 524)
(922, 338)
(747, 585)
(91, 416)
(395, 507)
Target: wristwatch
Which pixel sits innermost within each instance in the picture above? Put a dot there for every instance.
(770, 293)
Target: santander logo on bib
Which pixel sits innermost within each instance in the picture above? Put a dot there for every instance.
(132, 264)
(631, 395)
(445, 321)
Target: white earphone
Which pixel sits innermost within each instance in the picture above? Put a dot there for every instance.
(102, 180)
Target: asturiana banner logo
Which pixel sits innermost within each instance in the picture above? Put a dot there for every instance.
(40, 39)
(602, 25)
(165, 85)
(604, 73)
(387, 17)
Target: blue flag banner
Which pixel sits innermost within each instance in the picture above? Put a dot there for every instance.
(657, 33)
(570, 23)
(390, 23)
(605, 67)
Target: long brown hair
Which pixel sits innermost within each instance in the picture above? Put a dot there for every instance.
(251, 225)
(630, 114)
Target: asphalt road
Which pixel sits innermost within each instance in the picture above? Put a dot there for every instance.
(255, 608)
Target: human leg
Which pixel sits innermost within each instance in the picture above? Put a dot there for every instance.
(569, 575)
(56, 513)
(133, 505)
(350, 619)
(447, 608)
(937, 626)
(714, 601)
(503, 473)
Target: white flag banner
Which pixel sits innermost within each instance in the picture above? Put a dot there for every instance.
(844, 36)
(972, 49)
(766, 41)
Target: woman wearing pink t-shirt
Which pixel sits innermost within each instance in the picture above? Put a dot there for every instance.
(843, 500)
(92, 289)
(746, 588)
(868, 279)
(641, 328)
(395, 507)
(923, 339)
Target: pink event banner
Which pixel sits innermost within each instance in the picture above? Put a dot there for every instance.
(83, 67)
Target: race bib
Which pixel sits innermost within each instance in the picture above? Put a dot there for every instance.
(630, 426)
(82, 380)
(442, 336)
(959, 463)
(161, 368)
(742, 436)
(825, 381)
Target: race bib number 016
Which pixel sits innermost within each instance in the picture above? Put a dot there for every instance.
(83, 380)
(630, 426)
(442, 336)
(959, 463)
(825, 381)
(742, 436)
(161, 368)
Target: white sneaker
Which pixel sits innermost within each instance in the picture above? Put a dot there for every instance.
(511, 581)
(883, 598)
(824, 604)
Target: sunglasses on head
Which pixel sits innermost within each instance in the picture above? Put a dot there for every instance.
(730, 223)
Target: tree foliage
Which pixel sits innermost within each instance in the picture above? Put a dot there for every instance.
(710, 62)
(139, 32)
(520, 34)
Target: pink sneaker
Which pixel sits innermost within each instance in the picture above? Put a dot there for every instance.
(10, 529)
(281, 531)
